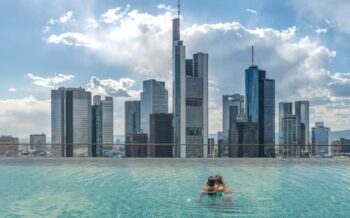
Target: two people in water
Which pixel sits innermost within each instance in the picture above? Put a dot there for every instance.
(215, 185)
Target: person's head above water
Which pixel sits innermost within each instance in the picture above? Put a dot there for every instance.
(211, 181)
(219, 180)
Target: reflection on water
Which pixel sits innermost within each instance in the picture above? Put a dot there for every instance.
(171, 187)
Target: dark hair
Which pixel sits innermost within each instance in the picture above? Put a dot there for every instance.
(211, 181)
(219, 180)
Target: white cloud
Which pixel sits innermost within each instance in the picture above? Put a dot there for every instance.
(319, 30)
(164, 7)
(91, 23)
(142, 42)
(252, 11)
(112, 15)
(25, 116)
(50, 82)
(110, 87)
(66, 17)
(12, 89)
(75, 39)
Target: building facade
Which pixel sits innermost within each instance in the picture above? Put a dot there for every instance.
(154, 99)
(290, 127)
(260, 107)
(302, 112)
(37, 142)
(136, 145)
(161, 135)
(227, 102)
(321, 140)
(132, 117)
(284, 108)
(102, 124)
(71, 122)
(9, 146)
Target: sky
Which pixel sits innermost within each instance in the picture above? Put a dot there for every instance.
(109, 47)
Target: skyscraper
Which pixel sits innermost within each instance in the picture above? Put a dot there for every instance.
(136, 145)
(190, 99)
(154, 99)
(302, 111)
(260, 107)
(161, 135)
(197, 106)
(71, 122)
(9, 146)
(227, 102)
(179, 90)
(132, 117)
(321, 140)
(290, 128)
(284, 109)
(102, 124)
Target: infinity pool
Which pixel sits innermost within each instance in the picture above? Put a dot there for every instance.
(170, 187)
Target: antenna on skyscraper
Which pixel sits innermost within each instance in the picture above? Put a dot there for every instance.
(178, 8)
(252, 55)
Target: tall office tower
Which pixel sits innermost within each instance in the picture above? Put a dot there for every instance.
(136, 145)
(227, 102)
(179, 90)
(344, 145)
(321, 140)
(284, 109)
(197, 106)
(302, 111)
(260, 107)
(71, 122)
(290, 127)
(221, 148)
(102, 125)
(37, 142)
(154, 99)
(161, 135)
(132, 117)
(9, 146)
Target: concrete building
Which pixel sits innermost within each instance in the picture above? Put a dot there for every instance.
(71, 122)
(154, 99)
(9, 146)
(102, 125)
(321, 140)
(37, 142)
(161, 135)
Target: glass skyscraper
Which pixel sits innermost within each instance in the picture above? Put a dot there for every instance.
(284, 108)
(132, 117)
(321, 140)
(227, 102)
(290, 131)
(302, 111)
(71, 122)
(102, 124)
(154, 99)
(260, 107)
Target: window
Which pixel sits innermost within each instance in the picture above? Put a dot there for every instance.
(194, 102)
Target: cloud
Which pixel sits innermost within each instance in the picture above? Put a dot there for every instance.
(50, 82)
(112, 15)
(25, 116)
(141, 42)
(110, 87)
(319, 30)
(12, 89)
(91, 23)
(66, 17)
(165, 7)
(252, 11)
(75, 39)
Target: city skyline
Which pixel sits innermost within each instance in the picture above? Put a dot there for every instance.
(25, 94)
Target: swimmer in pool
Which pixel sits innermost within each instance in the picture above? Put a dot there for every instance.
(209, 186)
(223, 189)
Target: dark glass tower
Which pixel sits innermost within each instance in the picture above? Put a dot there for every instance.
(260, 107)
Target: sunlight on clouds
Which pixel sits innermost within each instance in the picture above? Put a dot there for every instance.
(75, 39)
(50, 82)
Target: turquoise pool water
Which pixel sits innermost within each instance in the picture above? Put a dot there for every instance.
(170, 187)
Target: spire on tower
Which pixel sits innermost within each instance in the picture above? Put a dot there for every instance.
(178, 8)
(252, 55)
